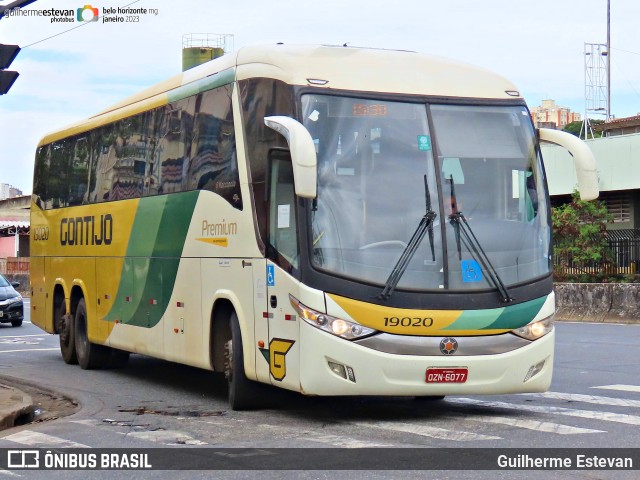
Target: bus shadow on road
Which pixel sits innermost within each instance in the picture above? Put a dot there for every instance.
(209, 389)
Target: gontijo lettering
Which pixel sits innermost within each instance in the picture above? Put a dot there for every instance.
(87, 230)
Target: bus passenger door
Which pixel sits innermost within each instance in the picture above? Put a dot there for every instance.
(284, 347)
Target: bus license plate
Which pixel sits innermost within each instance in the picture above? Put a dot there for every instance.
(446, 375)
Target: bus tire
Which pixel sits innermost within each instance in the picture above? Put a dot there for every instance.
(64, 325)
(244, 394)
(90, 355)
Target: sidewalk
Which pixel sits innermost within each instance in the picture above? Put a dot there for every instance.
(16, 407)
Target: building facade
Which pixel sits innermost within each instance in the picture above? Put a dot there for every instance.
(14, 227)
(617, 158)
(9, 191)
(549, 114)
(619, 126)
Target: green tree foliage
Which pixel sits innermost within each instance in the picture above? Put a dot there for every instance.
(574, 128)
(580, 243)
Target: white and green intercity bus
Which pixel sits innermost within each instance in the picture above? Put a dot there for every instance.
(328, 220)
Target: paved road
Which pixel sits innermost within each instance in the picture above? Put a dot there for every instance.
(594, 402)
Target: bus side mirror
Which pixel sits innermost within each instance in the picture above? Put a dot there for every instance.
(585, 162)
(303, 153)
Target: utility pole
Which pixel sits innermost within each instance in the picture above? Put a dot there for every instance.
(595, 85)
(608, 117)
(597, 79)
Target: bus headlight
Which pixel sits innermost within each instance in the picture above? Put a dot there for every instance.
(336, 326)
(535, 330)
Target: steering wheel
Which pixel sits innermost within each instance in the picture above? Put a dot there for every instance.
(384, 243)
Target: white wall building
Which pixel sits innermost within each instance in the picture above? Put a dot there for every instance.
(9, 191)
(549, 112)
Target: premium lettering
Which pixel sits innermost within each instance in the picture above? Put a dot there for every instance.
(223, 228)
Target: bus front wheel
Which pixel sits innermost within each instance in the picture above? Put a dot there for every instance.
(243, 393)
(90, 355)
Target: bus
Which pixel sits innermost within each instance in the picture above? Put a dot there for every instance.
(324, 219)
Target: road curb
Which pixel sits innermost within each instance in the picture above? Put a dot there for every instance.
(44, 401)
(16, 407)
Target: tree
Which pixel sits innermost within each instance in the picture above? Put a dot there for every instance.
(580, 242)
(574, 128)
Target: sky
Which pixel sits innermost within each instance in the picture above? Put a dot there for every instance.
(538, 45)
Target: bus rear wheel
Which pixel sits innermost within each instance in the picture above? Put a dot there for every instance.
(244, 394)
(64, 325)
(90, 355)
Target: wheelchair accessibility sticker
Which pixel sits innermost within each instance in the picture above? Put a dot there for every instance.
(271, 276)
(471, 271)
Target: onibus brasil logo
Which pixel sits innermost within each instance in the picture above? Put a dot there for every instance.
(87, 14)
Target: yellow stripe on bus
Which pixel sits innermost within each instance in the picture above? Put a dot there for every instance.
(401, 321)
(220, 242)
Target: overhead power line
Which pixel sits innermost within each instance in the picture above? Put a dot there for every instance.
(625, 51)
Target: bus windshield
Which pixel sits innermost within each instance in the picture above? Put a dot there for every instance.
(385, 167)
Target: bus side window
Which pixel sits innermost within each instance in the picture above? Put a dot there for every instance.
(41, 175)
(283, 235)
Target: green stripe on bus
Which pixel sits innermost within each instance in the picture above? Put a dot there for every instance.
(505, 318)
(516, 316)
(153, 257)
(475, 319)
(145, 226)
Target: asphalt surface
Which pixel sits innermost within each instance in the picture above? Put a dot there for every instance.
(17, 407)
(158, 404)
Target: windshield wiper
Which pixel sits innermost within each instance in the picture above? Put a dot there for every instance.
(425, 225)
(465, 235)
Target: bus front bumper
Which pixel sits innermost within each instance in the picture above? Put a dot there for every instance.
(370, 372)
